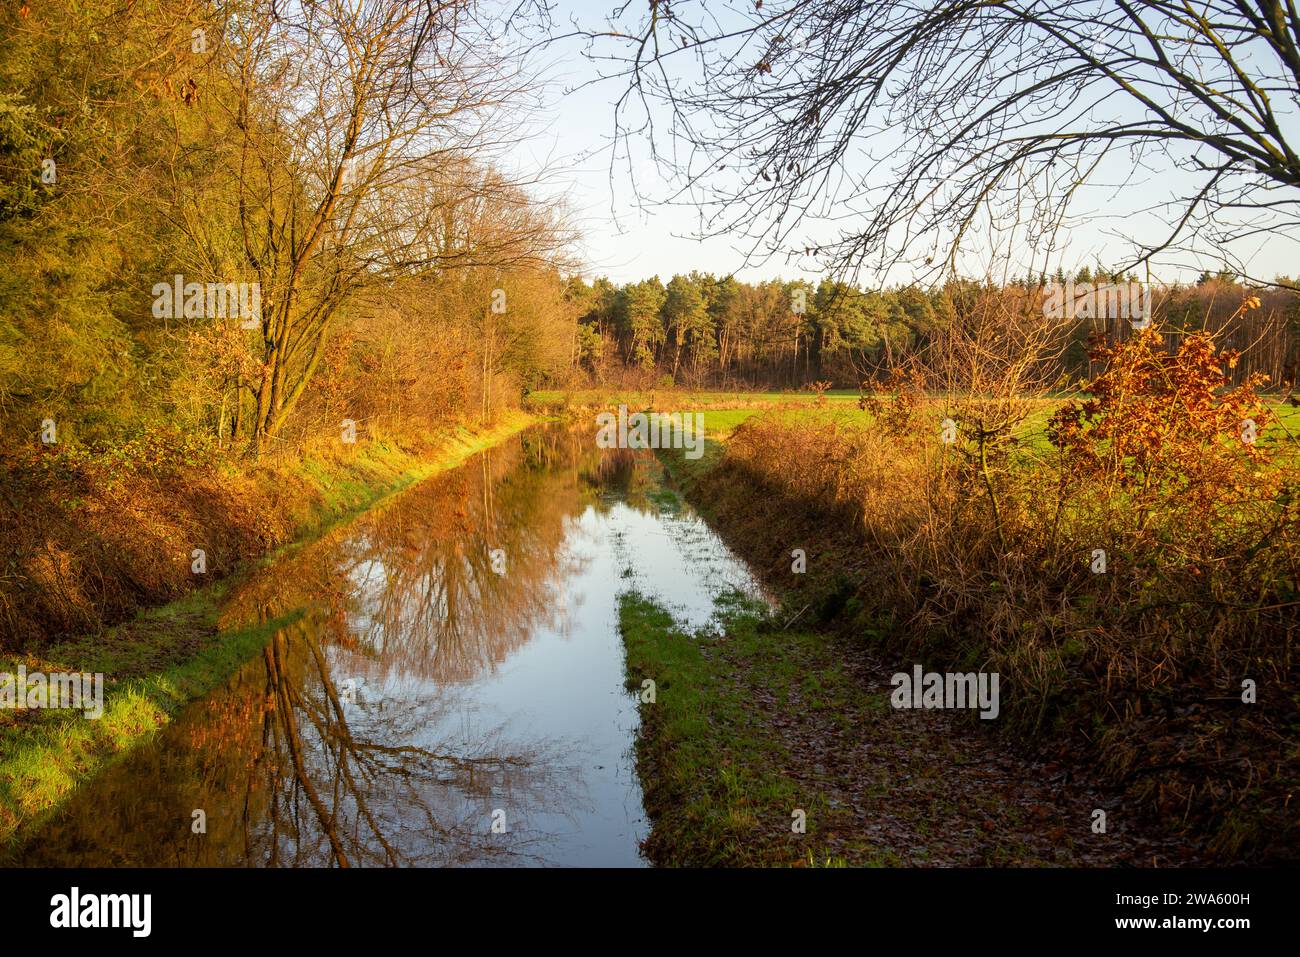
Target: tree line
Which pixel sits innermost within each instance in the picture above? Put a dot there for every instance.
(346, 162)
(701, 330)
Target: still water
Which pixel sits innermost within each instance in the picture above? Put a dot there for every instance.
(446, 686)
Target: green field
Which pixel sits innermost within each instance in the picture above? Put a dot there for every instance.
(723, 411)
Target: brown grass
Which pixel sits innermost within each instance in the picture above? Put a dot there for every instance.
(978, 555)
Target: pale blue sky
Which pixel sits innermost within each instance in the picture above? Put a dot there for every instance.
(626, 241)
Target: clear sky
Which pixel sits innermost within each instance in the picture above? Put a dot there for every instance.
(625, 239)
(629, 240)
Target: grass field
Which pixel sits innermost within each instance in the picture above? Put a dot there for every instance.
(724, 411)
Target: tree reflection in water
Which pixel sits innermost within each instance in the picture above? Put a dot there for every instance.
(351, 782)
(334, 747)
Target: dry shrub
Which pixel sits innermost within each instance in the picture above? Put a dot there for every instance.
(895, 401)
(819, 388)
(842, 470)
(91, 536)
(980, 555)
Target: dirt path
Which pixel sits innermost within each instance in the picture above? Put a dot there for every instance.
(917, 787)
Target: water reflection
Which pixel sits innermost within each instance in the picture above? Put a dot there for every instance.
(412, 586)
(420, 692)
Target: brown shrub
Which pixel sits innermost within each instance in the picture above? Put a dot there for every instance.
(981, 554)
(90, 537)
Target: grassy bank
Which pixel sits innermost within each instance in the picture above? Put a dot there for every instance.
(712, 773)
(163, 657)
(91, 537)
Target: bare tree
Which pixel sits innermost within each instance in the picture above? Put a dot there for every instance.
(353, 121)
(904, 127)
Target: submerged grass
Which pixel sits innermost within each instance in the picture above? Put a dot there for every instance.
(45, 755)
